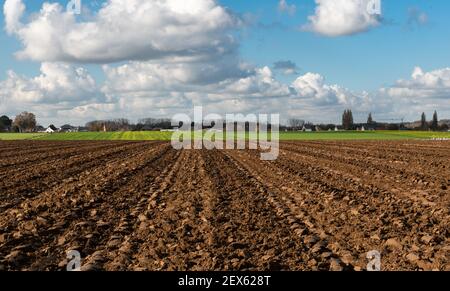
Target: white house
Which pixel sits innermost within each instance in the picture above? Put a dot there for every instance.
(49, 130)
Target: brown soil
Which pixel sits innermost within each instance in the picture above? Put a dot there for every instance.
(145, 206)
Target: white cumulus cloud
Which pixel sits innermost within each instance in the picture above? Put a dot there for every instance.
(343, 17)
(313, 87)
(58, 86)
(13, 11)
(433, 85)
(125, 30)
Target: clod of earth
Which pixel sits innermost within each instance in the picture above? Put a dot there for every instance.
(145, 206)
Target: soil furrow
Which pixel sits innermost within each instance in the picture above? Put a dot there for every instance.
(143, 206)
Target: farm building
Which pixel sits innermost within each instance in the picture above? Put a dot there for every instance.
(82, 129)
(68, 128)
(51, 129)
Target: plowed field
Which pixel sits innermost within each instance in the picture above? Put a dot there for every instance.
(145, 206)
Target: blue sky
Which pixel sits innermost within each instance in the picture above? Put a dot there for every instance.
(361, 62)
(410, 34)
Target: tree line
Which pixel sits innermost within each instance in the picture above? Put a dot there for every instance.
(23, 122)
(348, 123)
(122, 124)
(433, 125)
(26, 122)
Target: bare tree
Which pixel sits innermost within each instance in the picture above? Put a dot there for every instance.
(25, 122)
(119, 124)
(96, 125)
(296, 124)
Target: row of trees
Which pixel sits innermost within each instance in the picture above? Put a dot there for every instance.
(347, 120)
(24, 122)
(154, 123)
(119, 124)
(296, 124)
(348, 123)
(125, 125)
(433, 125)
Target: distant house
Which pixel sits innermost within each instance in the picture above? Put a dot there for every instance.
(362, 128)
(307, 129)
(68, 128)
(51, 129)
(82, 129)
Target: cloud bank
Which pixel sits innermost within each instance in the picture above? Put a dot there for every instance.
(160, 58)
